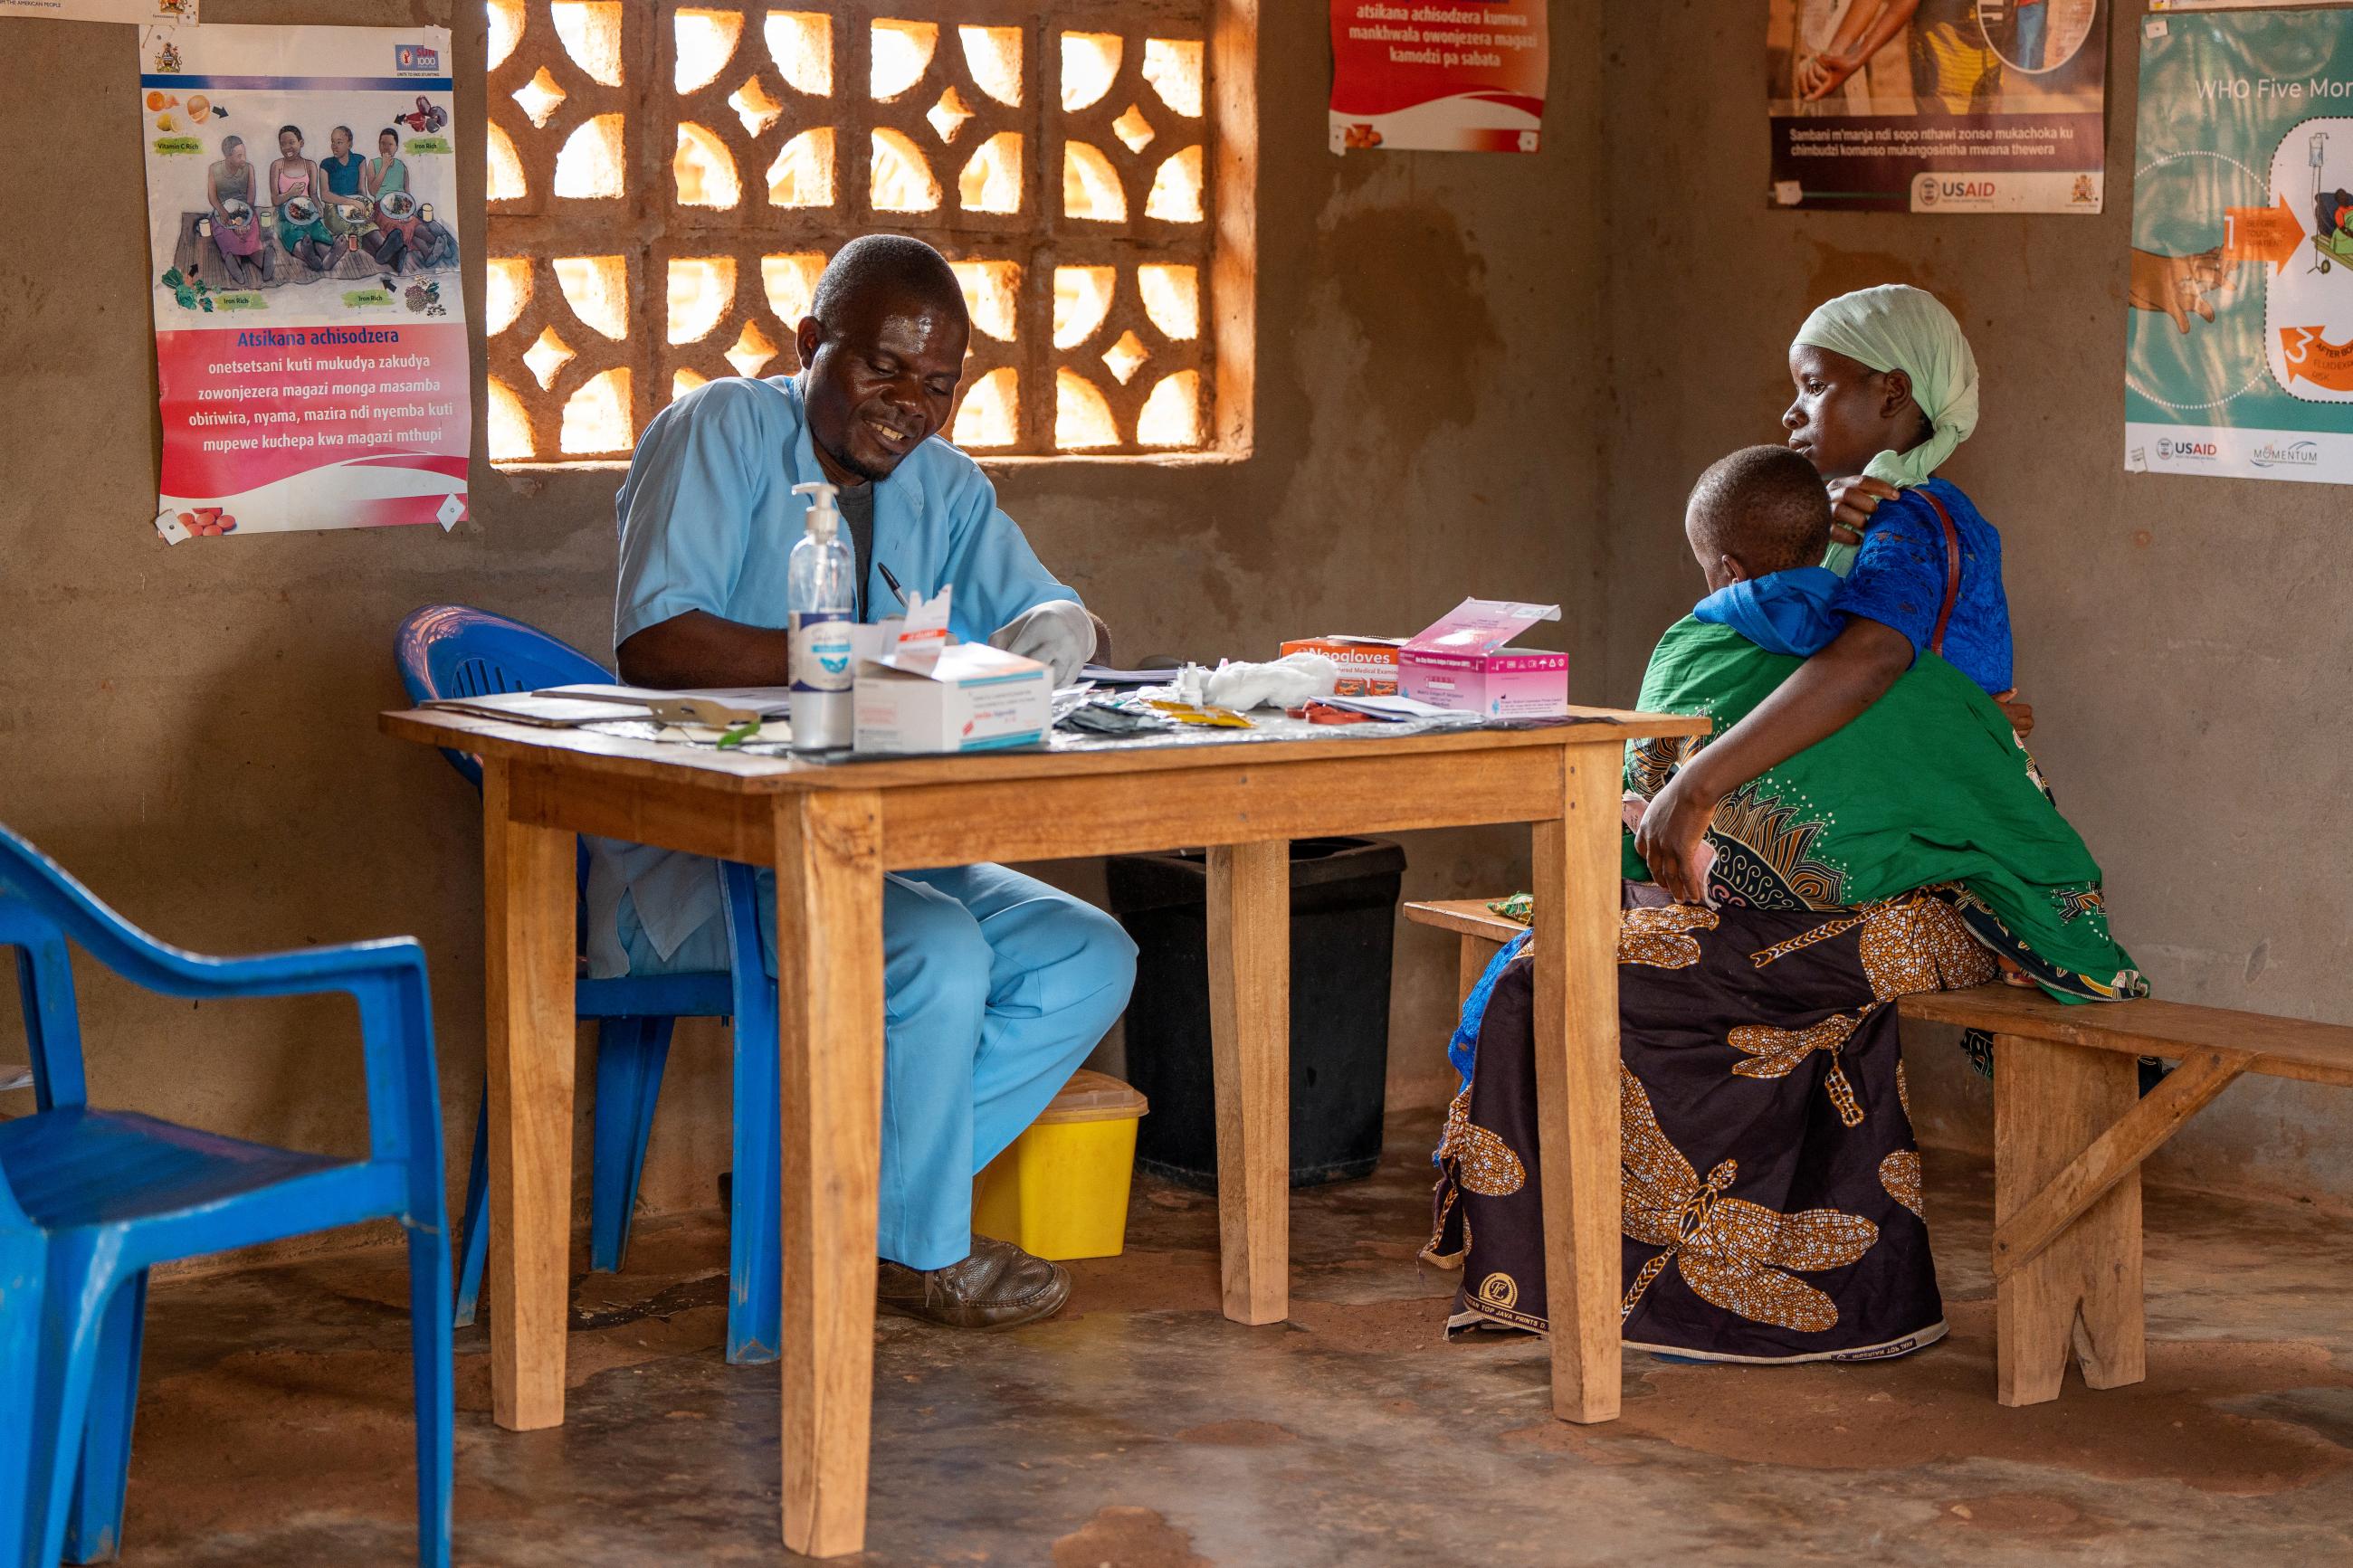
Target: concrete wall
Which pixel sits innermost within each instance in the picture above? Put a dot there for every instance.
(2183, 640)
(1466, 365)
(193, 730)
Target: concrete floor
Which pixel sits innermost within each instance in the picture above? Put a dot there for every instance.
(1143, 1431)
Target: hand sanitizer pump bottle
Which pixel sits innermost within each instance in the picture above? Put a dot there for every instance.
(823, 601)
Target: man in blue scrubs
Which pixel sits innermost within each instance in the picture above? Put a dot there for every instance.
(995, 986)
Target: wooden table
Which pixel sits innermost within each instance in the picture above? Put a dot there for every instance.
(830, 832)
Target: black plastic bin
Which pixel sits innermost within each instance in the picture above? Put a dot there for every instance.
(1344, 896)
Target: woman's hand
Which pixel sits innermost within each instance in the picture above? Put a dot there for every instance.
(1826, 73)
(2021, 715)
(1852, 501)
(1672, 837)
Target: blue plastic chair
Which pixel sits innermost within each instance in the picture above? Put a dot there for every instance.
(90, 1200)
(453, 650)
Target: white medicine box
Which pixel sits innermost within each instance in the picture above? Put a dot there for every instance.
(972, 698)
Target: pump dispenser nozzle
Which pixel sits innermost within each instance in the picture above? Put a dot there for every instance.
(824, 517)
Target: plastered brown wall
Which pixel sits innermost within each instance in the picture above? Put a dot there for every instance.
(2184, 641)
(192, 730)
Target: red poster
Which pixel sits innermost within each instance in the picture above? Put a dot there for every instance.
(1458, 75)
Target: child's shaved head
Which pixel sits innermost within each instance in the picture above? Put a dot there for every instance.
(1763, 508)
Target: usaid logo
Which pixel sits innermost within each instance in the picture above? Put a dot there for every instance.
(2196, 451)
(416, 59)
(1934, 190)
(2296, 455)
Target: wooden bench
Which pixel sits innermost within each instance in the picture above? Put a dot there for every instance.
(1482, 929)
(2070, 1132)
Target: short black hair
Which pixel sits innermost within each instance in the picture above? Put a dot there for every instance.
(896, 264)
(1764, 507)
(295, 129)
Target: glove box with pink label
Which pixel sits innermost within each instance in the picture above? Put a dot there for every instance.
(1462, 663)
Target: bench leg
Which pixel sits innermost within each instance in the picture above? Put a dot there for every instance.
(2083, 1292)
(1477, 954)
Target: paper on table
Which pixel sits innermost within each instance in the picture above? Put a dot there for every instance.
(720, 705)
(1393, 709)
(1105, 676)
(554, 712)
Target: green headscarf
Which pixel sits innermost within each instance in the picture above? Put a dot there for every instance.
(1897, 327)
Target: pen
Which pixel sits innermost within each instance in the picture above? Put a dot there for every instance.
(893, 583)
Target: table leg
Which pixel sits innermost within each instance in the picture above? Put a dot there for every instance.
(1249, 1034)
(829, 1010)
(529, 884)
(1576, 880)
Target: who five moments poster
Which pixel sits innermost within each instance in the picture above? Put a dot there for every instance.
(2239, 344)
(1936, 106)
(310, 328)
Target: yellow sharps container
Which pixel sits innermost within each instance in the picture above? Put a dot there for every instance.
(1060, 1190)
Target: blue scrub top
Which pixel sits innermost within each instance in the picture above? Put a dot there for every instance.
(708, 521)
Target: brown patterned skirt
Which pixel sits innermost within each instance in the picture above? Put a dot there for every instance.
(1772, 1188)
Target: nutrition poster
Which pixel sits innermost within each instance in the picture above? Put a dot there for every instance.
(309, 331)
(1936, 106)
(1455, 76)
(2238, 343)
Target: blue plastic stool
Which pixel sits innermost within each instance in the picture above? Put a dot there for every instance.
(90, 1200)
(452, 650)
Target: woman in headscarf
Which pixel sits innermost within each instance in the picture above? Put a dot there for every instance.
(1886, 388)
(1771, 1201)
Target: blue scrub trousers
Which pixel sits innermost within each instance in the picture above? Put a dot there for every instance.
(995, 988)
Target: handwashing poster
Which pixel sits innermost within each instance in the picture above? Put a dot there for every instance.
(1937, 106)
(2239, 344)
(310, 328)
(1450, 75)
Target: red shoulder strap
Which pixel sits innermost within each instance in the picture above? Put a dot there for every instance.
(1952, 568)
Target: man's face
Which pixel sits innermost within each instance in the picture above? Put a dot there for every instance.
(1842, 418)
(883, 384)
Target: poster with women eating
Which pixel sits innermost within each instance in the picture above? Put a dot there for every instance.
(1937, 106)
(309, 324)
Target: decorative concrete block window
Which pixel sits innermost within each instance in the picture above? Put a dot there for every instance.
(667, 179)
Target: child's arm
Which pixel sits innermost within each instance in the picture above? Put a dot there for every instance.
(1817, 701)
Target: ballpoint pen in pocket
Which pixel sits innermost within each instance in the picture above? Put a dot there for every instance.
(893, 583)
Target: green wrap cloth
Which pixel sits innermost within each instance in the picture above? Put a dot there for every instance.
(1928, 786)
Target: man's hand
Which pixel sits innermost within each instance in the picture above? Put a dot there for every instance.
(2022, 716)
(1672, 837)
(2178, 285)
(1059, 633)
(1852, 501)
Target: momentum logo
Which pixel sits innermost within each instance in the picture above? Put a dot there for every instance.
(2296, 455)
(416, 59)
